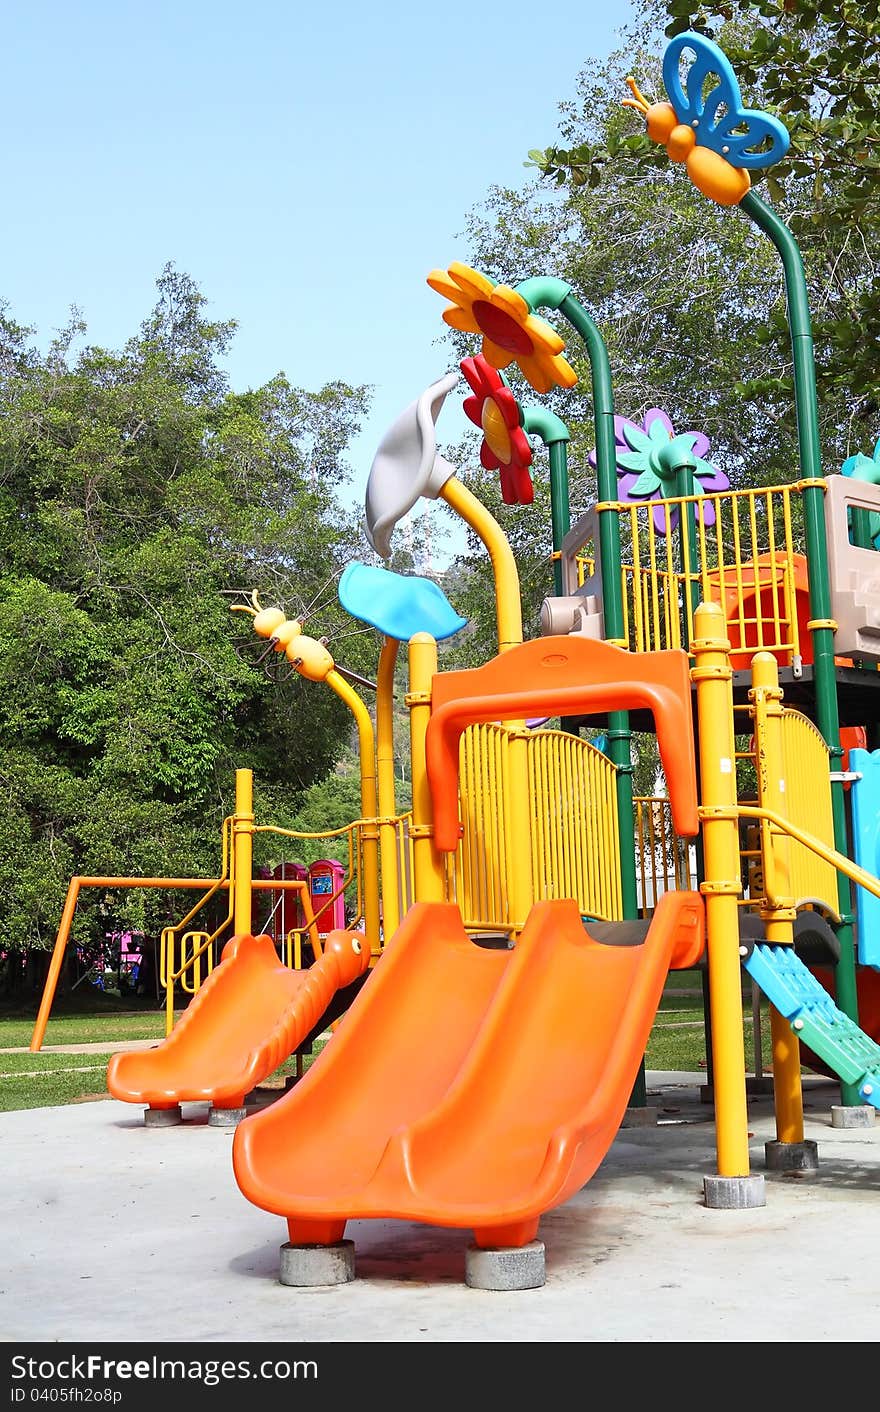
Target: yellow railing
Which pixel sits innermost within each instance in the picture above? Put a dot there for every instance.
(479, 867)
(352, 876)
(572, 805)
(811, 877)
(663, 859)
(746, 561)
(188, 955)
(184, 951)
(198, 957)
(405, 865)
(575, 837)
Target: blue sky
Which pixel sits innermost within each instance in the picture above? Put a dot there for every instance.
(307, 166)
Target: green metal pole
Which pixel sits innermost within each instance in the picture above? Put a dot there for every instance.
(861, 528)
(556, 294)
(827, 715)
(547, 293)
(540, 421)
(681, 463)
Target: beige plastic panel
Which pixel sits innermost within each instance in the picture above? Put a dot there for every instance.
(579, 610)
(584, 531)
(854, 573)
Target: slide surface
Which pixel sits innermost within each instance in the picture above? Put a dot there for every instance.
(468, 1087)
(246, 1019)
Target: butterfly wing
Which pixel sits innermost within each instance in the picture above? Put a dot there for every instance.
(719, 120)
(738, 147)
(688, 100)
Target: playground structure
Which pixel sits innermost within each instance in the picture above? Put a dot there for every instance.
(528, 905)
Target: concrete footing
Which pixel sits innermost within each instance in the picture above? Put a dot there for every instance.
(862, 1115)
(734, 1193)
(163, 1117)
(759, 1084)
(306, 1265)
(506, 1267)
(226, 1117)
(640, 1117)
(791, 1156)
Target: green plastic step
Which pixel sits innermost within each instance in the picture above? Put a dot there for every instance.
(810, 1010)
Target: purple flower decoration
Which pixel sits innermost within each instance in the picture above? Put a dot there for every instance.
(644, 474)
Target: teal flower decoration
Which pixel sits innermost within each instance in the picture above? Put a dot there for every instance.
(645, 474)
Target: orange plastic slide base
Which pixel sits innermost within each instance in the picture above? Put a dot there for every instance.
(246, 1019)
(468, 1087)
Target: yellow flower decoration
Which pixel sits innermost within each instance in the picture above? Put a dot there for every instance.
(511, 332)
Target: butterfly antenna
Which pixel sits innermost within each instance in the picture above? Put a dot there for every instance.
(638, 100)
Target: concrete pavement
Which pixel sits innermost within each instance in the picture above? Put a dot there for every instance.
(113, 1231)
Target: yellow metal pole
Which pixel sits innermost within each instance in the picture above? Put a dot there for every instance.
(508, 607)
(243, 852)
(722, 886)
(369, 804)
(520, 887)
(428, 866)
(778, 912)
(385, 770)
(169, 940)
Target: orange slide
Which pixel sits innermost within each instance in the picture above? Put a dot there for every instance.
(246, 1019)
(468, 1087)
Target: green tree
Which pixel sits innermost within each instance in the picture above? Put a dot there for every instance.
(817, 66)
(689, 296)
(138, 496)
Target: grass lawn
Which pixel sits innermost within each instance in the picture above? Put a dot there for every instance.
(47, 1080)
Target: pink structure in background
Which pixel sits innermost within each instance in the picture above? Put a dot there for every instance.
(326, 878)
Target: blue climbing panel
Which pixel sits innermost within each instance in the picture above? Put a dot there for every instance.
(865, 794)
(793, 989)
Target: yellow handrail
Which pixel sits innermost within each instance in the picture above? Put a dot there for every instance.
(830, 855)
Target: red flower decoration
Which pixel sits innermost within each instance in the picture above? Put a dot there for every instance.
(505, 448)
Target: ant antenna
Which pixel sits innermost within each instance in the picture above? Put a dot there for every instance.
(253, 604)
(353, 676)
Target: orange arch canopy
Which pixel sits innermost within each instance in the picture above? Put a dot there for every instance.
(563, 676)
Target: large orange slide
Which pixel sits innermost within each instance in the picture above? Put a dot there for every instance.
(465, 1086)
(246, 1019)
(471, 1087)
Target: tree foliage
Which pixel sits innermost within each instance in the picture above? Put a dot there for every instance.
(817, 67)
(689, 296)
(137, 493)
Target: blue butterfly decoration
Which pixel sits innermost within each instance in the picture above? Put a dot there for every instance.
(715, 136)
(714, 129)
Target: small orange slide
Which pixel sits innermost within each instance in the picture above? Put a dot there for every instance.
(468, 1087)
(246, 1019)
